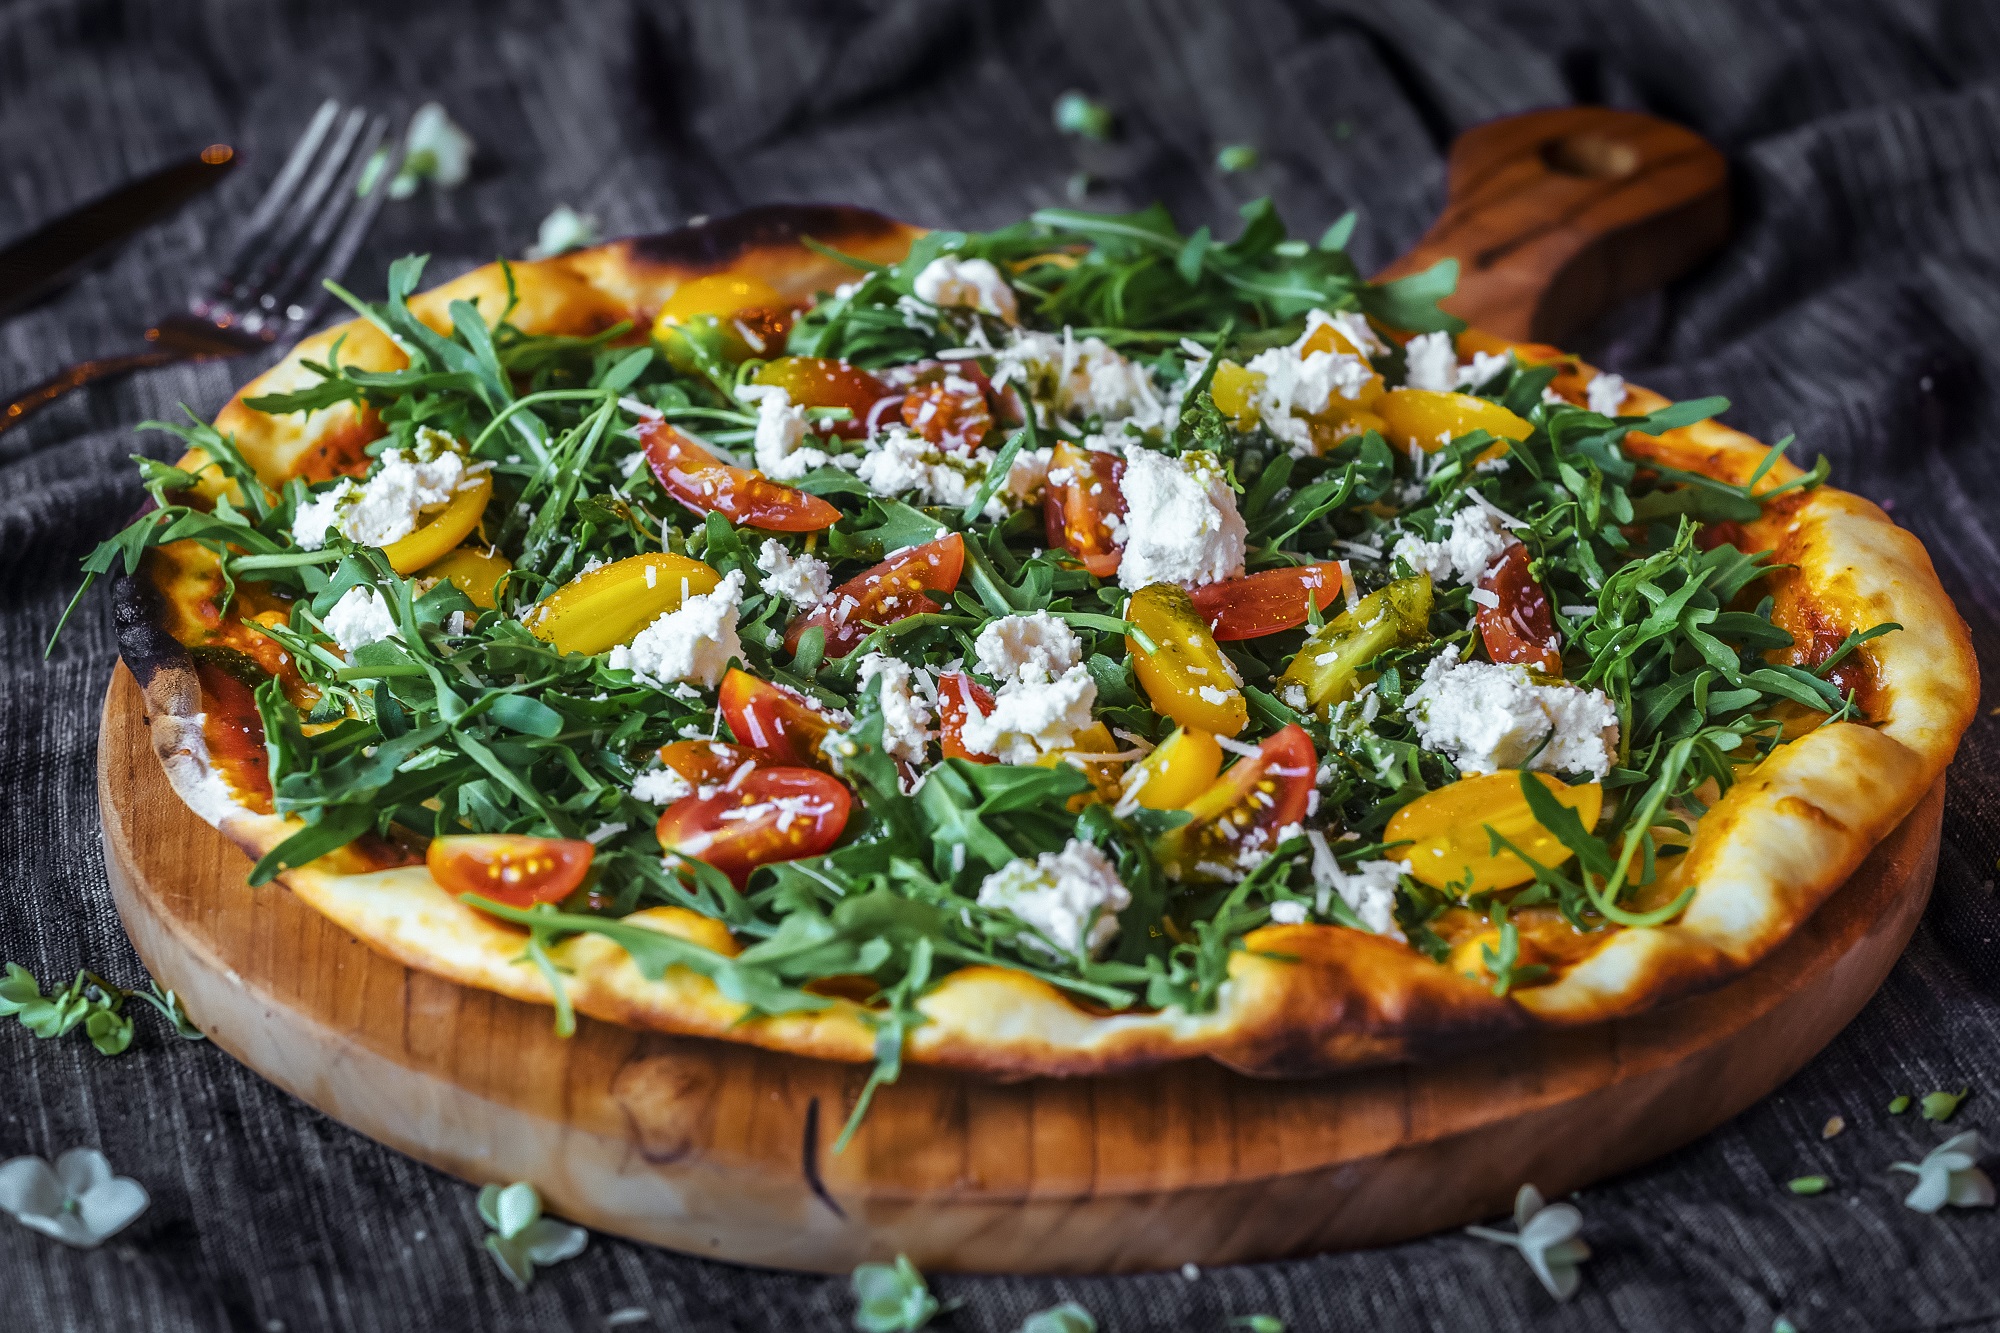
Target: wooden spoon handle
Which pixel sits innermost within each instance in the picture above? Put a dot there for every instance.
(1557, 216)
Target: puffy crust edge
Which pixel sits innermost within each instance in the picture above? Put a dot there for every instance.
(1299, 999)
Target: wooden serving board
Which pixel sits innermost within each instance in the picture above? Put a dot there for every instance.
(725, 1150)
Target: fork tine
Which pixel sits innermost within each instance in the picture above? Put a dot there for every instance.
(359, 220)
(276, 300)
(240, 291)
(257, 227)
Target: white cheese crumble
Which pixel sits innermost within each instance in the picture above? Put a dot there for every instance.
(1296, 383)
(972, 283)
(803, 580)
(906, 718)
(694, 642)
(388, 506)
(781, 450)
(1032, 718)
(1084, 378)
(1072, 897)
(660, 786)
(1181, 524)
(1483, 367)
(1034, 647)
(358, 619)
(1478, 537)
(1486, 717)
(1288, 913)
(1369, 890)
(1430, 362)
(1606, 394)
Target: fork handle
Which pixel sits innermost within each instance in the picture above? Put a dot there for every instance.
(22, 405)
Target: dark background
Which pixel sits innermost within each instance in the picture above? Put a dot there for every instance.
(1855, 306)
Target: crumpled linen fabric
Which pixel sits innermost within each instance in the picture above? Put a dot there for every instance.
(1856, 306)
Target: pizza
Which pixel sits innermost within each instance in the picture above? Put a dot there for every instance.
(1045, 651)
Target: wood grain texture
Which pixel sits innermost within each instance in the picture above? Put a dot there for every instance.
(725, 1150)
(1556, 216)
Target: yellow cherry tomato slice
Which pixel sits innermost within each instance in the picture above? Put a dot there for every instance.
(737, 315)
(451, 525)
(1094, 739)
(1327, 338)
(1183, 672)
(1180, 768)
(1428, 420)
(1234, 390)
(1447, 830)
(596, 612)
(1328, 666)
(473, 572)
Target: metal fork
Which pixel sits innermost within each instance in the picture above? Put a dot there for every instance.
(269, 289)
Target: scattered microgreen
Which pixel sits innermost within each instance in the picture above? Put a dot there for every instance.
(1069, 1317)
(89, 1002)
(521, 1239)
(1949, 1174)
(1545, 1235)
(1941, 1106)
(1899, 1104)
(1808, 1184)
(892, 1298)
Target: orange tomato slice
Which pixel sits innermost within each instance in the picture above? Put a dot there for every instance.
(1520, 628)
(1254, 798)
(960, 696)
(815, 381)
(1082, 494)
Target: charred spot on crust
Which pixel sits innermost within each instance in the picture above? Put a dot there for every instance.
(140, 621)
(720, 242)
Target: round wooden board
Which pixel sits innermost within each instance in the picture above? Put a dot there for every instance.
(725, 1150)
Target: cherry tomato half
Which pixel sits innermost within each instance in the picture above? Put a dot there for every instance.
(892, 590)
(815, 381)
(1253, 799)
(1520, 628)
(1266, 603)
(782, 726)
(774, 814)
(960, 696)
(509, 867)
(948, 409)
(707, 485)
(1082, 493)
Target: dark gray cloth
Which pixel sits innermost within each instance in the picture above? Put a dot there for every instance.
(1856, 306)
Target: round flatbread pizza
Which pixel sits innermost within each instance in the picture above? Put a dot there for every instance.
(1042, 651)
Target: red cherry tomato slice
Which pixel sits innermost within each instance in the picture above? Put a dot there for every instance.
(774, 814)
(1521, 628)
(1082, 493)
(509, 868)
(960, 696)
(1254, 798)
(949, 410)
(708, 763)
(707, 485)
(1260, 604)
(813, 381)
(779, 726)
(890, 591)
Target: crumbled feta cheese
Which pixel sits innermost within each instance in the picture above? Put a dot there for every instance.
(660, 786)
(1288, 913)
(1071, 897)
(1369, 890)
(972, 283)
(1431, 362)
(803, 580)
(1294, 383)
(1351, 325)
(387, 507)
(782, 454)
(1084, 378)
(1026, 477)
(1034, 647)
(1606, 394)
(1483, 367)
(899, 461)
(906, 718)
(1478, 537)
(605, 831)
(1032, 718)
(358, 619)
(693, 642)
(1486, 717)
(1181, 524)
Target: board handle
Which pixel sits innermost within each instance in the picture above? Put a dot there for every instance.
(1557, 216)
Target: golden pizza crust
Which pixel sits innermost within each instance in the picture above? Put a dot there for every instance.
(1300, 999)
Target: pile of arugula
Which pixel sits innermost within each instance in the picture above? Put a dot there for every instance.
(465, 722)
